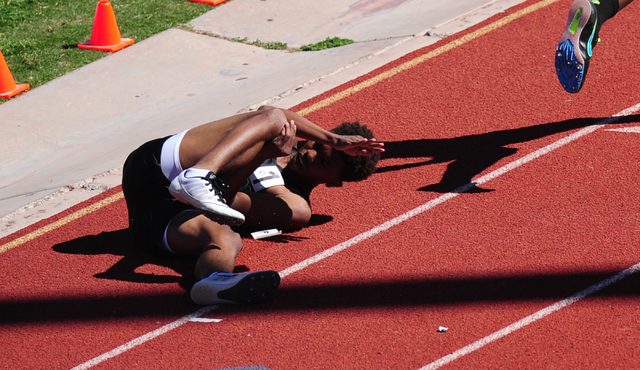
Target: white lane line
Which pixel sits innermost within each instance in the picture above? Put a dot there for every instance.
(144, 338)
(368, 234)
(566, 302)
(530, 319)
(445, 197)
(626, 129)
(205, 320)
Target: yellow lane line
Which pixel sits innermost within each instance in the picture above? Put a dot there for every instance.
(61, 222)
(321, 104)
(414, 62)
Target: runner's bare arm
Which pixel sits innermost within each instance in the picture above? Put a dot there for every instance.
(350, 144)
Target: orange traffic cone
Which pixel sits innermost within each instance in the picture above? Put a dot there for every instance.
(8, 87)
(105, 35)
(210, 2)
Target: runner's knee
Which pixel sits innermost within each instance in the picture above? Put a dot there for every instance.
(275, 119)
(229, 242)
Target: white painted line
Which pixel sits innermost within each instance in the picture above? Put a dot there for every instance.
(542, 313)
(445, 197)
(368, 234)
(530, 319)
(626, 129)
(204, 319)
(144, 338)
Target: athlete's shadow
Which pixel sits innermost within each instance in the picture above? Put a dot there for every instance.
(120, 243)
(470, 155)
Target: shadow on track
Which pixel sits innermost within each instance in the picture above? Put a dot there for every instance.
(470, 155)
(120, 243)
(370, 295)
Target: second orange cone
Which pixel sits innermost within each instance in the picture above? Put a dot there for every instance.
(8, 87)
(210, 2)
(105, 35)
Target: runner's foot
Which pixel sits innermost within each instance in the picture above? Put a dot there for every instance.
(230, 288)
(203, 190)
(576, 45)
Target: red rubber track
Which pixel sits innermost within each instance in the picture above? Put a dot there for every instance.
(476, 263)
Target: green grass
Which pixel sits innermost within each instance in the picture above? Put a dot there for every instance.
(326, 44)
(39, 38)
(272, 45)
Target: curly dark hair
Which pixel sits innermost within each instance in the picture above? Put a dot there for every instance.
(357, 167)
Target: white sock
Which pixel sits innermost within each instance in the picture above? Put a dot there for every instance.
(195, 172)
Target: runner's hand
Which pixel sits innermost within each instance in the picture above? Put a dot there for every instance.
(357, 145)
(287, 138)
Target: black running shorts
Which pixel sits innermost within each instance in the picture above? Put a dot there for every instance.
(146, 191)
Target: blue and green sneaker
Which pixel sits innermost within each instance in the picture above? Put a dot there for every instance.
(576, 45)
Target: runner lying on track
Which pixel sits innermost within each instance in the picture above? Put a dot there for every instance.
(580, 37)
(243, 169)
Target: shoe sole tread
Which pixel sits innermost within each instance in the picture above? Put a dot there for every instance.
(253, 288)
(571, 66)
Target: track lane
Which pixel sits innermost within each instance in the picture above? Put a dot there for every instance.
(461, 97)
(410, 322)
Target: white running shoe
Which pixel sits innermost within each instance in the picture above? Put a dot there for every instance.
(230, 288)
(203, 190)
